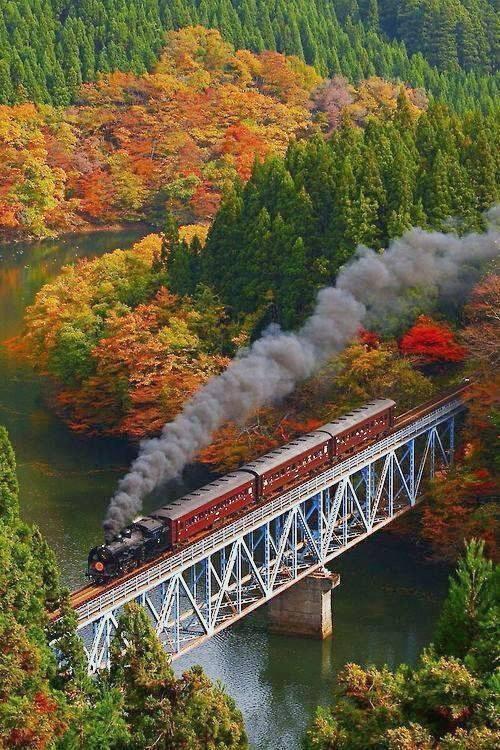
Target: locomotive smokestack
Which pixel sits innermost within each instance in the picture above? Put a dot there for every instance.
(370, 288)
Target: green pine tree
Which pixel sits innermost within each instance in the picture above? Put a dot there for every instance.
(9, 488)
(474, 593)
(185, 712)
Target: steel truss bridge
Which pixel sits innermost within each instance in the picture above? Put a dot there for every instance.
(194, 593)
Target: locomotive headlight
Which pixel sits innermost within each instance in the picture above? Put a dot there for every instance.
(99, 566)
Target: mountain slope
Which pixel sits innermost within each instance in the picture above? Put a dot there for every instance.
(48, 47)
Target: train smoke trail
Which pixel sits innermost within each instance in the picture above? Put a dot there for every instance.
(368, 288)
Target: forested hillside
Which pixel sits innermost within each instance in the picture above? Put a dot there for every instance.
(449, 33)
(48, 47)
(124, 352)
(298, 219)
(137, 144)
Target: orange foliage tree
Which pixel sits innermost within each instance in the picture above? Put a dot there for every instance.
(461, 506)
(123, 352)
(244, 145)
(376, 97)
(482, 334)
(148, 362)
(30, 188)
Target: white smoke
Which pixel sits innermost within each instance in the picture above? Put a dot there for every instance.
(368, 288)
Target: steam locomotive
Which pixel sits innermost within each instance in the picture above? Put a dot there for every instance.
(259, 481)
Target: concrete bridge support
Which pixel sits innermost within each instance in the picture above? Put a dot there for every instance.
(305, 609)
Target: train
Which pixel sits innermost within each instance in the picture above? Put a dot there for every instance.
(179, 523)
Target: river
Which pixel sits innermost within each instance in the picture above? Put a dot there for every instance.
(384, 609)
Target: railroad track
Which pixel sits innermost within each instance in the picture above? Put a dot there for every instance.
(422, 409)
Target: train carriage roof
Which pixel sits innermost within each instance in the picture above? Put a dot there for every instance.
(206, 494)
(301, 444)
(351, 419)
(286, 453)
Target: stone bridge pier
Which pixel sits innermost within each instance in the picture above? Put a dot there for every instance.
(305, 609)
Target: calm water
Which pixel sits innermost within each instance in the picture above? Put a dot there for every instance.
(384, 609)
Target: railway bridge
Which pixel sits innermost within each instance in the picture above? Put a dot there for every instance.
(192, 593)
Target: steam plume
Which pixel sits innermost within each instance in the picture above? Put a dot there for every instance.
(368, 289)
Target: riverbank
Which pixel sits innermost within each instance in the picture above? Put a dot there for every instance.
(83, 230)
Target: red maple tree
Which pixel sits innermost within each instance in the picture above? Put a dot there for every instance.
(431, 342)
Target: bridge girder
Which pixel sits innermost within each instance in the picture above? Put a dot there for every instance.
(202, 590)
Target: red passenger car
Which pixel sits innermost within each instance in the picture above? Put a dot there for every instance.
(206, 507)
(360, 427)
(307, 455)
(310, 454)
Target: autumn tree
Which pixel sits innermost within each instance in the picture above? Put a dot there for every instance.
(482, 334)
(462, 502)
(461, 506)
(429, 342)
(122, 351)
(363, 372)
(378, 97)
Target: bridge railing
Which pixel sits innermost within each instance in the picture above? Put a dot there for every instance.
(144, 580)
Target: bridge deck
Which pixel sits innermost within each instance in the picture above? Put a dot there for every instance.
(91, 601)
